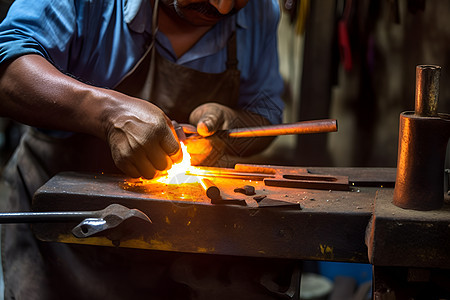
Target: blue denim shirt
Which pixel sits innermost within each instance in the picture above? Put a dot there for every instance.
(100, 41)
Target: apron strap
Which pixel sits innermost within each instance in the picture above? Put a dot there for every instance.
(155, 20)
(232, 60)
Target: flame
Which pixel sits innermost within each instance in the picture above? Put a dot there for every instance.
(177, 174)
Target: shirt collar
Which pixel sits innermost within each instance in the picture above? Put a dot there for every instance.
(137, 14)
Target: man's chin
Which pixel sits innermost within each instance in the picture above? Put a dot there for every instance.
(198, 19)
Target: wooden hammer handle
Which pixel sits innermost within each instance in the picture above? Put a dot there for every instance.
(304, 127)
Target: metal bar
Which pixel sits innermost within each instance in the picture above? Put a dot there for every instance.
(216, 172)
(427, 90)
(212, 191)
(39, 217)
(113, 215)
(305, 127)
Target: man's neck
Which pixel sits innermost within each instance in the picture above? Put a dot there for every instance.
(181, 34)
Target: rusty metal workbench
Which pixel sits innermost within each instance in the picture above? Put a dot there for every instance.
(410, 250)
(330, 226)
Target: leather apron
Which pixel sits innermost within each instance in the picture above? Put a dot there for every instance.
(44, 270)
(175, 88)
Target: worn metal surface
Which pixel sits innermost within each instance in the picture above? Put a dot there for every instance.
(402, 237)
(330, 226)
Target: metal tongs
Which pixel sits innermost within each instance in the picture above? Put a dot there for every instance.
(92, 222)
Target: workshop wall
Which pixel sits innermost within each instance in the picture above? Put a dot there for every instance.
(388, 39)
(367, 88)
(290, 49)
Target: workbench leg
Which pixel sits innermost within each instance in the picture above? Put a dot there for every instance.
(296, 278)
(291, 292)
(398, 283)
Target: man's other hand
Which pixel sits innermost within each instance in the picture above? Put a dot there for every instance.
(210, 117)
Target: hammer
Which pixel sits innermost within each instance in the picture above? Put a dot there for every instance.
(304, 127)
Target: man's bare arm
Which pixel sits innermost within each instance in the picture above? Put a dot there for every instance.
(34, 92)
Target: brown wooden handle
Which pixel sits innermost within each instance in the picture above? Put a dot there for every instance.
(304, 127)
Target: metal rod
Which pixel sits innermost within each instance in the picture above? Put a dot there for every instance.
(212, 191)
(229, 174)
(427, 90)
(43, 217)
(113, 214)
(315, 126)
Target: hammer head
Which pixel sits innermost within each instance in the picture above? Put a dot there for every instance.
(110, 217)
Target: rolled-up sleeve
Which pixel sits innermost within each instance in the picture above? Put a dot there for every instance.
(38, 27)
(262, 84)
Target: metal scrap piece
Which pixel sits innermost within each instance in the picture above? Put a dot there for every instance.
(247, 190)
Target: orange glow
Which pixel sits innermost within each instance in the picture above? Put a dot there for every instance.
(177, 174)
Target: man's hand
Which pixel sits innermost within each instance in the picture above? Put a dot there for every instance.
(207, 149)
(142, 139)
(209, 118)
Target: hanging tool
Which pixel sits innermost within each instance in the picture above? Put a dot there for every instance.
(303, 14)
(92, 221)
(344, 37)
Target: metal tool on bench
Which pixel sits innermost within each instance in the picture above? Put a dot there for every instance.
(423, 140)
(92, 222)
(214, 193)
(277, 176)
(289, 177)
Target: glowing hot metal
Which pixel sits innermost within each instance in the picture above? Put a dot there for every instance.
(178, 173)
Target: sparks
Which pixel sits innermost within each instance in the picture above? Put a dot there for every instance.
(177, 174)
